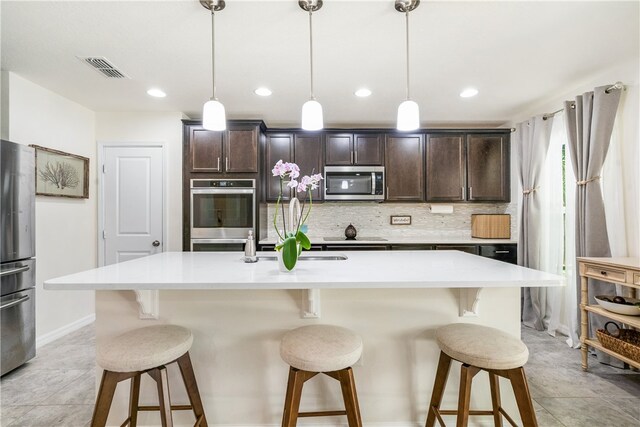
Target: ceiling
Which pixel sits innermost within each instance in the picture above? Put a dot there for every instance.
(515, 53)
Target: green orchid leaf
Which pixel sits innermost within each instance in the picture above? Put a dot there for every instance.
(289, 252)
(304, 240)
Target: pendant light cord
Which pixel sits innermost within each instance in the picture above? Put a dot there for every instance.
(213, 52)
(311, 51)
(407, 43)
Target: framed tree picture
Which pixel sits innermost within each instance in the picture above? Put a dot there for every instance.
(61, 174)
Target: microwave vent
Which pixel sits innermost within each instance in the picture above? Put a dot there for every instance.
(104, 67)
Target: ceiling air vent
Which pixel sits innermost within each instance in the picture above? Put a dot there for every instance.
(104, 67)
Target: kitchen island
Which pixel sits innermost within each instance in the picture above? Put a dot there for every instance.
(239, 312)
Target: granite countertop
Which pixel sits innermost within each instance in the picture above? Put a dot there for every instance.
(415, 240)
(361, 270)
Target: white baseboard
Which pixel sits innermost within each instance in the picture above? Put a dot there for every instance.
(64, 330)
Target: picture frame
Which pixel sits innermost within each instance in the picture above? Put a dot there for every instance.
(61, 174)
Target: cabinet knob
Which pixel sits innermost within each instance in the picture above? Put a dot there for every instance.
(156, 243)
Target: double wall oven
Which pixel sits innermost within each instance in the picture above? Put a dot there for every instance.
(222, 213)
(17, 253)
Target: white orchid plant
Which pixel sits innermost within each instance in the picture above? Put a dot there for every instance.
(292, 237)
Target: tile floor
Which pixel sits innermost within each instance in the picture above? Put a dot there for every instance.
(59, 386)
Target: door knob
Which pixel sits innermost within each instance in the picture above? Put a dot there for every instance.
(156, 243)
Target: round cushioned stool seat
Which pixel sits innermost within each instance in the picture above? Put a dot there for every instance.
(321, 348)
(144, 348)
(482, 346)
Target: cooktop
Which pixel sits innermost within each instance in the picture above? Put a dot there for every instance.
(358, 238)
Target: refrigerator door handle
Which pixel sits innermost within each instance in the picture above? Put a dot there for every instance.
(14, 302)
(14, 271)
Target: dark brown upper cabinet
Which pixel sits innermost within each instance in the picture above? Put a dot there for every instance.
(446, 167)
(348, 149)
(488, 171)
(279, 146)
(471, 167)
(404, 167)
(232, 151)
(301, 148)
(307, 154)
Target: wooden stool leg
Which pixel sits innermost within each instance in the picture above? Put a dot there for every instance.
(134, 397)
(464, 397)
(350, 397)
(292, 398)
(189, 378)
(107, 389)
(160, 376)
(444, 364)
(523, 398)
(494, 382)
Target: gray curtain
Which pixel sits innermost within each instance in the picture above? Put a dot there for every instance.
(590, 121)
(532, 139)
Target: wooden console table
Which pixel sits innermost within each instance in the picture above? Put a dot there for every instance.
(617, 271)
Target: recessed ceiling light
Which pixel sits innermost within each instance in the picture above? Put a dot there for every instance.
(262, 91)
(469, 92)
(363, 93)
(156, 93)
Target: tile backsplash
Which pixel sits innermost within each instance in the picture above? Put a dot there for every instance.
(373, 219)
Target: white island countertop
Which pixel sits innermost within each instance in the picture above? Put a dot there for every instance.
(361, 270)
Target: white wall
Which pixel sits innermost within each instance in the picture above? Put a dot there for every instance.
(65, 228)
(135, 127)
(628, 112)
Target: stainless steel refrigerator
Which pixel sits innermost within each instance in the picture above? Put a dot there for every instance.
(17, 253)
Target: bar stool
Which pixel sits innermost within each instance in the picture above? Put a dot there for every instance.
(147, 350)
(326, 349)
(487, 349)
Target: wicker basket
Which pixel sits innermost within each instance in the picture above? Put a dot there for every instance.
(624, 341)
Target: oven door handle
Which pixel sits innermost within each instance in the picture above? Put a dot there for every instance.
(14, 271)
(223, 191)
(14, 302)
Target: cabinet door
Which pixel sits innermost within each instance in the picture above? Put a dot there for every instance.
(241, 150)
(471, 249)
(404, 167)
(445, 168)
(339, 149)
(205, 150)
(279, 147)
(488, 168)
(367, 150)
(307, 153)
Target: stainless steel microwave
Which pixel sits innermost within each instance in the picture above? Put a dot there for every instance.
(354, 183)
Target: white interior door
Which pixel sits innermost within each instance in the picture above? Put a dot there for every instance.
(133, 213)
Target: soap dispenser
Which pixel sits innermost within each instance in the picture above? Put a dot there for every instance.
(250, 248)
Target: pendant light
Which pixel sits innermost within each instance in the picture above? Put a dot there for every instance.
(311, 110)
(213, 114)
(408, 111)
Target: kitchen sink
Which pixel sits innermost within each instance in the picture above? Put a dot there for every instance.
(307, 258)
(357, 239)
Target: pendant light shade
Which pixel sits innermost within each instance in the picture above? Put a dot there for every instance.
(408, 111)
(312, 118)
(408, 116)
(213, 114)
(312, 115)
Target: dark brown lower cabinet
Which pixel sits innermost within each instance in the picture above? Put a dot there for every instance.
(404, 167)
(472, 249)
